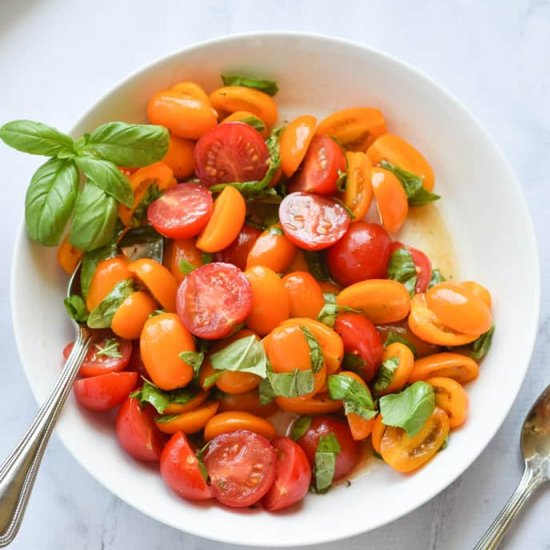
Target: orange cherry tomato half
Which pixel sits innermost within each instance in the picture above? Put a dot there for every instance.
(294, 142)
(237, 382)
(405, 365)
(358, 193)
(406, 453)
(132, 314)
(272, 249)
(354, 128)
(68, 256)
(225, 223)
(188, 422)
(192, 89)
(480, 291)
(452, 398)
(179, 157)
(107, 274)
(305, 294)
(377, 433)
(320, 404)
(233, 421)
(158, 280)
(246, 402)
(391, 199)
(360, 428)
(459, 367)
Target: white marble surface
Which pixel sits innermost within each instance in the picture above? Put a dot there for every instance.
(57, 56)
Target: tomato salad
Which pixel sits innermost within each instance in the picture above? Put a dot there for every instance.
(274, 330)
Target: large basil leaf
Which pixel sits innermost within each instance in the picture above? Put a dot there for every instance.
(102, 315)
(244, 355)
(36, 138)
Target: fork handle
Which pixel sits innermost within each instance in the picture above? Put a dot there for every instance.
(529, 483)
(18, 472)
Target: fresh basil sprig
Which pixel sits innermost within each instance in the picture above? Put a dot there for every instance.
(161, 399)
(328, 449)
(51, 198)
(269, 87)
(417, 194)
(102, 315)
(355, 396)
(401, 268)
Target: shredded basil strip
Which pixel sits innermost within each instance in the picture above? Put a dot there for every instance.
(355, 396)
(385, 374)
(299, 427)
(326, 454)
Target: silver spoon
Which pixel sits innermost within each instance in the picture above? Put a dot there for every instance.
(535, 446)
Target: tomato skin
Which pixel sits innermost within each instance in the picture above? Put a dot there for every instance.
(361, 338)
(272, 250)
(292, 476)
(391, 200)
(362, 253)
(107, 274)
(103, 392)
(241, 466)
(132, 314)
(321, 166)
(231, 152)
(237, 252)
(213, 299)
(137, 433)
(181, 212)
(179, 157)
(233, 421)
(305, 295)
(313, 222)
(294, 142)
(95, 366)
(347, 458)
(179, 468)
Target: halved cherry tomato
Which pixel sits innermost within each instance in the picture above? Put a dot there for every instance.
(137, 433)
(181, 212)
(405, 365)
(323, 163)
(241, 466)
(401, 153)
(246, 402)
(354, 128)
(362, 340)
(292, 477)
(298, 263)
(241, 98)
(380, 300)
(272, 249)
(391, 199)
(459, 309)
(349, 454)
(188, 422)
(97, 362)
(213, 299)
(183, 111)
(452, 398)
(459, 367)
(305, 295)
(132, 314)
(248, 118)
(422, 264)
(427, 326)
(233, 421)
(377, 433)
(179, 157)
(360, 428)
(107, 274)
(362, 253)
(193, 403)
(158, 280)
(68, 256)
(191, 89)
(480, 291)
(311, 221)
(422, 348)
(406, 453)
(320, 404)
(178, 250)
(103, 392)
(230, 153)
(237, 252)
(358, 193)
(226, 221)
(180, 470)
(162, 340)
(294, 142)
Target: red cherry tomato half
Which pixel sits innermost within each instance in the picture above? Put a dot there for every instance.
(311, 221)
(103, 392)
(237, 252)
(292, 475)
(362, 253)
(137, 433)
(349, 454)
(97, 363)
(213, 299)
(361, 339)
(181, 212)
(322, 164)
(241, 466)
(231, 152)
(422, 263)
(179, 467)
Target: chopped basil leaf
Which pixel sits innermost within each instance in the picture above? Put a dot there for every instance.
(437, 278)
(327, 451)
(102, 315)
(206, 258)
(353, 362)
(108, 348)
(401, 268)
(76, 308)
(244, 355)
(290, 384)
(299, 427)
(268, 87)
(161, 399)
(255, 122)
(417, 194)
(481, 346)
(186, 266)
(385, 374)
(151, 195)
(328, 312)
(193, 358)
(410, 408)
(395, 336)
(265, 391)
(209, 381)
(355, 396)
(317, 265)
(315, 352)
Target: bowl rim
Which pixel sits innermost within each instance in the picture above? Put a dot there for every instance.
(522, 210)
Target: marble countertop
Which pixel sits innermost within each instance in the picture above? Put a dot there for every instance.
(58, 56)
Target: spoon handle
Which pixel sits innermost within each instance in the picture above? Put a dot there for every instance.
(530, 481)
(18, 472)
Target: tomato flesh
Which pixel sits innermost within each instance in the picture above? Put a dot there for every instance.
(241, 466)
(179, 467)
(313, 222)
(96, 363)
(181, 212)
(213, 299)
(231, 152)
(103, 392)
(237, 252)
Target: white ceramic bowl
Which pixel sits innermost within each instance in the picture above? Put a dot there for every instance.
(484, 210)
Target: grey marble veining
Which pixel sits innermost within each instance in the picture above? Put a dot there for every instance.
(57, 56)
